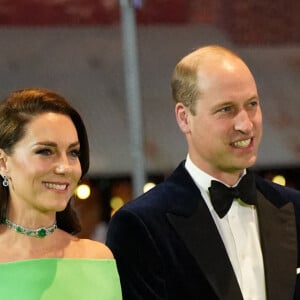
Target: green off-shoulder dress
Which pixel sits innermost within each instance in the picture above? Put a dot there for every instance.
(60, 279)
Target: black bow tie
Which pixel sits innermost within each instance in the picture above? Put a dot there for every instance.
(222, 196)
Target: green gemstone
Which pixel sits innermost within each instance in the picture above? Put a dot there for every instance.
(19, 229)
(42, 233)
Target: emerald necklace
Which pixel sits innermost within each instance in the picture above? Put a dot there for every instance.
(39, 232)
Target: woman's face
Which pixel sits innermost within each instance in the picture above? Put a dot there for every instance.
(43, 169)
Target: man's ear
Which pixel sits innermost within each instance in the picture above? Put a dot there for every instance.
(182, 116)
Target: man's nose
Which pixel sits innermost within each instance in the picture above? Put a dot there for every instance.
(243, 122)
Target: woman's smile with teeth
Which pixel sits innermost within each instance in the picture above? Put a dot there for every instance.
(56, 186)
(242, 144)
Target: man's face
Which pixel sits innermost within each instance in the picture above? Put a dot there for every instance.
(225, 132)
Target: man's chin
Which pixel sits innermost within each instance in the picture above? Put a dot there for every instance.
(247, 165)
(242, 165)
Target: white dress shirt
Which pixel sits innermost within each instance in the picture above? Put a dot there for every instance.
(240, 234)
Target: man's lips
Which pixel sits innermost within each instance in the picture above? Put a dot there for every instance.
(242, 143)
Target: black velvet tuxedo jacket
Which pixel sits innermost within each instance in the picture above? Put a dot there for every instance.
(167, 245)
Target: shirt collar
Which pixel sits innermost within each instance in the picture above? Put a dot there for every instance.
(201, 178)
(203, 182)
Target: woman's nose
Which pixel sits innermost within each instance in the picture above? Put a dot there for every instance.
(62, 166)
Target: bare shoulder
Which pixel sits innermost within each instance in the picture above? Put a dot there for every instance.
(91, 249)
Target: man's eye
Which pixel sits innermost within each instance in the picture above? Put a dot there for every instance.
(253, 103)
(225, 109)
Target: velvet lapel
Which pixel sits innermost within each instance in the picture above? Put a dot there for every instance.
(279, 247)
(199, 233)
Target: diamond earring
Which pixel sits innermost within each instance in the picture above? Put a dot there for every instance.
(5, 181)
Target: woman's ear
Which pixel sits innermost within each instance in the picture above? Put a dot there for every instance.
(182, 116)
(3, 160)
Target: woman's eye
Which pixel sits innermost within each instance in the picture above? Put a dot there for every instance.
(75, 153)
(44, 152)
